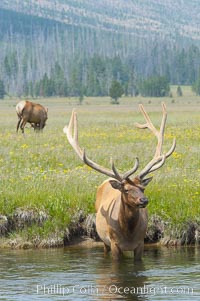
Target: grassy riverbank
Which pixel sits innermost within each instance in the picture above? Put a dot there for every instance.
(41, 172)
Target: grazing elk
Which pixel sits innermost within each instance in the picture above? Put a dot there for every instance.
(122, 218)
(33, 113)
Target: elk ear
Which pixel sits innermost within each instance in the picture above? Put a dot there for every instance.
(145, 182)
(115, 184)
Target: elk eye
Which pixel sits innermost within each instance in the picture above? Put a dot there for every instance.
(126, 191)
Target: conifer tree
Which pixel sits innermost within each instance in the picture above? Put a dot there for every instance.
(2, 90)
(116, 91)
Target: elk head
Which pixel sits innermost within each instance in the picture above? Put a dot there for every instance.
(132, 190)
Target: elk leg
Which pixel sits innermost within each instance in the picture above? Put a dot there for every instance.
(138, 252)
(18, 123)
(23, 125)
(106, 249)
(116, 251)
(41, 125)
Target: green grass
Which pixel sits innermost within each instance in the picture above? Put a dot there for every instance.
(41, 171)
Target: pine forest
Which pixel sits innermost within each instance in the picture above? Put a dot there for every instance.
(42, 56)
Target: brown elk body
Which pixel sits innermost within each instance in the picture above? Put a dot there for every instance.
(122, 217)
(33, 113)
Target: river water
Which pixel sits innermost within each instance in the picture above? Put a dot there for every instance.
(83, 273)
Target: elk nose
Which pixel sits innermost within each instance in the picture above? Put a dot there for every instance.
(144, 201)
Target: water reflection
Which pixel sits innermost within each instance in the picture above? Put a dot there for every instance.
(80, 273)
(121, 281)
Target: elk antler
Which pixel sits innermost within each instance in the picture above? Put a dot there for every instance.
(159, 158)
(73, 140)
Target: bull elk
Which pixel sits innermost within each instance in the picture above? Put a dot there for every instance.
(122, 217)
(33, 113)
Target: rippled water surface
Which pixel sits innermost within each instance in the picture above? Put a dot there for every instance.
(83, 273)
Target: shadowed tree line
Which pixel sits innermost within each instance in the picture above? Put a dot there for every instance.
(40, 57)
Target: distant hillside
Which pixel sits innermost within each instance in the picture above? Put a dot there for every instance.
(169, 18)
(79, 46)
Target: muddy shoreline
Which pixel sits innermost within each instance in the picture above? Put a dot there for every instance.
(82, 229)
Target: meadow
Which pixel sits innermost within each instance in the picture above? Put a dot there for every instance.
(42, 172)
